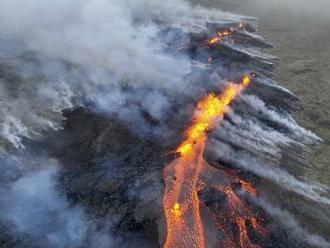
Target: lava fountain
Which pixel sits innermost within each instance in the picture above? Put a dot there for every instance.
(183, 176)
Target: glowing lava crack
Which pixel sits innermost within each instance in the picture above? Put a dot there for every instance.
(221, 35)
(183, 176)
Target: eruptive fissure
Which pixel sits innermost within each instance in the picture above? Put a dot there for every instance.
(227, 33)
(184, 179)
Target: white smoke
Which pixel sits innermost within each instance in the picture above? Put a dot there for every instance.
(305, 136)
(275, 174)
(292, 225)
(26, 112)
(260, 147)
(33, 206)
(121, 36)
(111, 43)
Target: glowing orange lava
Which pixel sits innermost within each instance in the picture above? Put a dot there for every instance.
(219, 36)
(180, 202)
(239, 214)
(209, 111)
(226, 33)
(247, 187)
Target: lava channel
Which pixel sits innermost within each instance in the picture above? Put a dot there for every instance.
(184, 226)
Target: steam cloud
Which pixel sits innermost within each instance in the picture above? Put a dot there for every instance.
(34, 209)
(289, 221)
(112, 44)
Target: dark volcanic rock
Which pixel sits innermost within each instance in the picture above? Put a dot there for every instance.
(87, 135)
(111, 173)
(273, 235)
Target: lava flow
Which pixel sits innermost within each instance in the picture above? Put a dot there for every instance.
(183, 177)
(221, 35)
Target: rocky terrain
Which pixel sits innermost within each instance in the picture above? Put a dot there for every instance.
(299, 31)
(109, 174)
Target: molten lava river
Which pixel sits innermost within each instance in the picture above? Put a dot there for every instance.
(189, 175)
